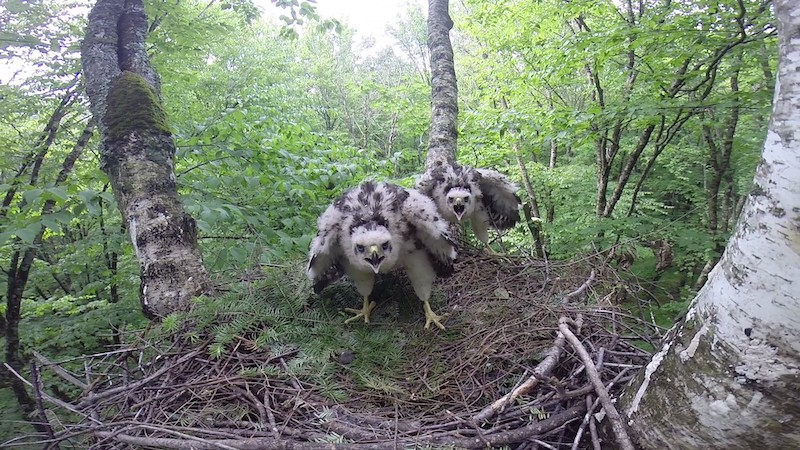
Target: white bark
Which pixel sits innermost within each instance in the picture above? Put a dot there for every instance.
(727, 377)
(138, 153)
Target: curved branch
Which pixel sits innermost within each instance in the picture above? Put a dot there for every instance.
(540, 372)
(617, 425)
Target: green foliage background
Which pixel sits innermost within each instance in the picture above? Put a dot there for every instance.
(275, 119)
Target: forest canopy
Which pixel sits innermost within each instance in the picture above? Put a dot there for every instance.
(633, 129)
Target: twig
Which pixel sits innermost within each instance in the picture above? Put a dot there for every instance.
(191, 438)
(262, 410)
(96, 355)
(37, 392)
(60, 371)
(520, 434)
(88, 374)
(595, 437)
(581, 289)
(396, 426)
(540, 372)
(49, 398)
(473, 425)
(543, 444)
(270, 415)
(590, 407)
(591, 371)
(167, 366)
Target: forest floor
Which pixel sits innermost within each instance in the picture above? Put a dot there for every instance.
(530, 349)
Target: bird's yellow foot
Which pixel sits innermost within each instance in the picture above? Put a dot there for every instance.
(363, 312)
(431, 317)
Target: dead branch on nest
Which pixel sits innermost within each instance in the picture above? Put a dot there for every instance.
(611, 412)
(540, 372)
(235, 444)
(59, 371)
(581, 290)
(37, 389)
(48, 398)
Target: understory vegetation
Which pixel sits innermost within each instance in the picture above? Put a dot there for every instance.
(632, 129)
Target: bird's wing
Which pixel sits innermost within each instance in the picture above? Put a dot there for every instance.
(429, 230)
(499, 198)
(324, 265)
(427, 182)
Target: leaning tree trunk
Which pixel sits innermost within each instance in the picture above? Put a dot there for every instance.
(444, 91)
(138, 154)
(727, 376)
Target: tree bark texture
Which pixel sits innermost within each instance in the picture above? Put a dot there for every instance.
(444, 91)
(727, 375)
(138, 153)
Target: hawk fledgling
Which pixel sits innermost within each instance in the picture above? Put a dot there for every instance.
(483, 197)
(377, 228)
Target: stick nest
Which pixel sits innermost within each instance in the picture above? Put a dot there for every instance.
(501, 375)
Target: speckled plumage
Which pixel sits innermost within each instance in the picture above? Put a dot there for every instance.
(377, 228)
(483, 197)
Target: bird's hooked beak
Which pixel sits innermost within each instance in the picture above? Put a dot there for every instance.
(374, 258)
(459, 207)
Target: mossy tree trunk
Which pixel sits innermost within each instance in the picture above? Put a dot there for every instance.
(727, 375)
(444, 91)
(138, 154)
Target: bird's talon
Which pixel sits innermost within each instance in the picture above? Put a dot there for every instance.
(364, 312)
(434, 319)
(431, 317)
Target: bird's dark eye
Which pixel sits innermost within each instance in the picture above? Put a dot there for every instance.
(386, 246)
(359, 248)
(450, 200)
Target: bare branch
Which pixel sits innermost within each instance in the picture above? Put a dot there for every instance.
(591, 371)
(540, 372)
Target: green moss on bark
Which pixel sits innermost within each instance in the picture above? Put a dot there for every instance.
(132, 105)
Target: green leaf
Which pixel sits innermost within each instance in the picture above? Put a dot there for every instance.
(29, 233)
(32, 195)
(5, 237)
(90, 200)
(57, 193)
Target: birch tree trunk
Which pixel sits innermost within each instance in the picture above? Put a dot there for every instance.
(727, 375)
(138, 154)
(444, 91)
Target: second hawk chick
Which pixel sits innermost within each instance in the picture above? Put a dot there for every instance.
(483, 197)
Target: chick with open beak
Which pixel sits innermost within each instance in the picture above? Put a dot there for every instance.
(375, 256)
(460, 202)
(459, 207)
(372, 248)
(378, 228)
